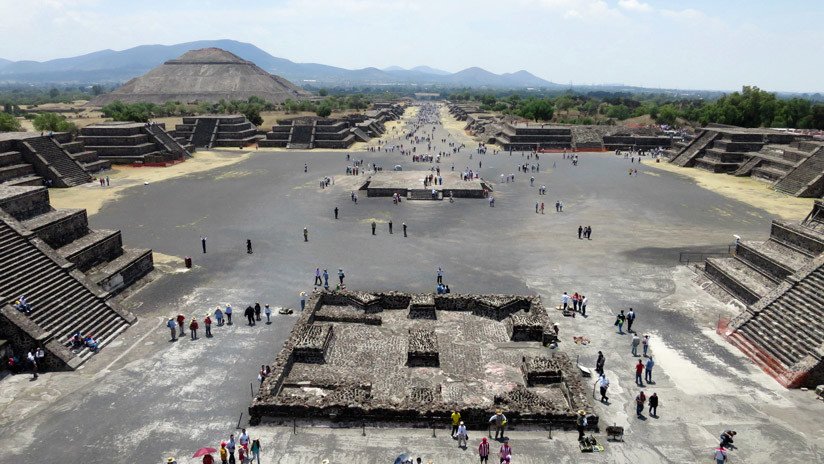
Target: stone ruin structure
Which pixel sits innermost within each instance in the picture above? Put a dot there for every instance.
(790, 163)
(311, 132)
(781, 282)
(407, 184)
(31, 159)
(68, 274)
(412, 358)
(513, 134)
(134, 142)
(204, 75)
(210, 131)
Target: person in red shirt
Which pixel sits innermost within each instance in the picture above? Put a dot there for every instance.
(207, 323)
(483, 450)
(180, 320)
(639, 370)
(193, 326)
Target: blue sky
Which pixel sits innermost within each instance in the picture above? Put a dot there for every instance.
(700, 44)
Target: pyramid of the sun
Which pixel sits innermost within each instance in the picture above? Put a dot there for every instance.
(205, 75)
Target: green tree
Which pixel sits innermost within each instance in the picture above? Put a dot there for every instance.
(253, 115)
(667, 114)
(323, 92)
(324, 110)
(53, 93)
(619, 112)
(53, 122)
(537, 109)
(8, 123)
(97, 89)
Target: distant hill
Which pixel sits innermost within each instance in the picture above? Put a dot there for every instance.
(110, 66)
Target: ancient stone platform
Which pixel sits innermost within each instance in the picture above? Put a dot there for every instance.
(356, 356)
(409, 184)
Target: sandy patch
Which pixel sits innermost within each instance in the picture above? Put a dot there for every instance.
(455, 127)
(745, 189)
(92, 197)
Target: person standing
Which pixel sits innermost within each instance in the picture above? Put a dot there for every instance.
(581, 423)
(255, 449)
(404, 229)
(40, 357)
(456, 420)
(268, 312)
(580, 231)
(645, 344)
(619, 321)
(219, 316)
(317, 276)
(230, 446)
(33, 364)
(565, 300)
(207, 324)
(250, 315)
(224, 453)
(203, 243)
(257, 311)
(172, 325)
(341, 276)
(302, 300)
(599, 363)
(325, 279)
(603, 385)
(640, 400)
(373, 227)
(639, 369)
(499, 421)
(630, 319)
(720, 455)
(193, 326)
(336, 212)
(483, 451)
(648, 370)
(439, 276)
(390, 226)
(653, 405)
(305, 234)
(505, 452)
(248, 246)
(583, 305)
(181, 319)
(228, 313)
(635, 342)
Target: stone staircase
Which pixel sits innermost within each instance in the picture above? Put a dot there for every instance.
(423, 194)
(807, 178)
(686, 157)
(166, 141)
(747, 167)
(62, 303)
(204, 132)
(16, 171)
(69, 170)
(301, 137)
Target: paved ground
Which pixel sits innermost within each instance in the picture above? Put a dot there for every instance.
(144, 398)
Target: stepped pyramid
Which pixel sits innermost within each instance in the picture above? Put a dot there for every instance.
(204, 75)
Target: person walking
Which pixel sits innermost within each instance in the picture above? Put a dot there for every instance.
(33, 364)
(640, 400)
(653, 405)
(305, 234)
(619, 322)
(341, 276)
(603, 386)
(373, 227)
(630, 320)
(193, 326)
(219, 316)
(181, 319)
(462, 435)
(583, 305)
(255, 450)
(483, 451)
(720, 455)
(645, 345)
(207, 324)
(302, 300)
(336, 212)
(257, 311)
(635, 342)
(505, 452)
(648, 370)
(267, 311)
(228, 312)
(172, 325)
(250, 315)
(639, 369)
(203, 243)
(580, 231)
(325, 279)
(317, 277)
(439, 276)
(404, 229)
(248, 246)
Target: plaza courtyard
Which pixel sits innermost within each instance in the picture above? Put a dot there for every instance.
(143, 398)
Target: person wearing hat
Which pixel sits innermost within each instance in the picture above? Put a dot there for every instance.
(462, 435)
(581, 423)
(224, 454)
(171, 461)
(193, 326)
(268, 312)
(181, 319)
(483, 451)
(207, 324)
(172, 325)
(499, 420)
(219, 316)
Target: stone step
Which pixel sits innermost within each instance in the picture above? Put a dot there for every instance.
(762, 342)
(733, 272)
(25, 181)
(16, 171)
(10, 158)
(93, 248)
(767, 363)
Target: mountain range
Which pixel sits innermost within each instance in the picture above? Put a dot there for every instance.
(110, 66)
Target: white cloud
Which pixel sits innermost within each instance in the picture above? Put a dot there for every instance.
(634, 5)
(688, 14)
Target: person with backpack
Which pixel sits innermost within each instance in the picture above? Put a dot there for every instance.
(619, 322)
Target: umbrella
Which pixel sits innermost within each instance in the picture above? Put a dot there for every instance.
(402, 458)
(204, 451)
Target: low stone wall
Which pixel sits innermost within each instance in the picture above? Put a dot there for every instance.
(423, 349)
(313, 344)
(23, 203)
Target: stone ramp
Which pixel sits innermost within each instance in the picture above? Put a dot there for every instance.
(204, 132)
(62, 301)
(57, 161)
(806, 179)
(164, 139)
(686, 157)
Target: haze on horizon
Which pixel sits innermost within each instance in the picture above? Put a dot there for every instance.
(690, 44)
